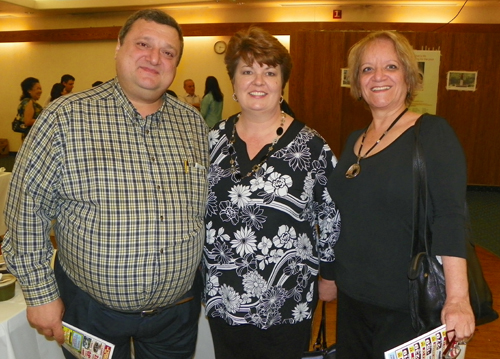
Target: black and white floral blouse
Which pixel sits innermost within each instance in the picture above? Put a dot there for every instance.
(267, 234)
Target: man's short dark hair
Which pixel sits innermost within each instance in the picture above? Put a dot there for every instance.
(154, 15)
(66, 78)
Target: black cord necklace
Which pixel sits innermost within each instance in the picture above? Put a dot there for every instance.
(355, 168)
(255, 168)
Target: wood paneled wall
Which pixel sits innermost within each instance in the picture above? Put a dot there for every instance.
(318, 99)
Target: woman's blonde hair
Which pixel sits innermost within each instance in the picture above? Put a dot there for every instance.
(406, 56)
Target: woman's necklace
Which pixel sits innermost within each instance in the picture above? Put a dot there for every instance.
(355, 169)
(232, 150)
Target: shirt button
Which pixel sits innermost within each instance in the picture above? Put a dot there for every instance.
(161, 250)
(147, 132)
(161, 218)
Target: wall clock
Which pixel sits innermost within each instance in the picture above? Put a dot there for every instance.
(220, 47)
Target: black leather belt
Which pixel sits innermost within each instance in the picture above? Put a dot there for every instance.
(153, 312)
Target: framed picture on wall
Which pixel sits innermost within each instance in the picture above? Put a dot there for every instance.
(344, 82)
(461, 80)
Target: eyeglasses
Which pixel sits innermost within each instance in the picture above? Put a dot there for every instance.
(453, 349)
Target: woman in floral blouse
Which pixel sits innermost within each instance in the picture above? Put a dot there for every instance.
(270, 222)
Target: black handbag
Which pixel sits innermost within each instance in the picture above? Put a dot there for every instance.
(481, 298)
(19, 126)
(321, 350)
(426, 275)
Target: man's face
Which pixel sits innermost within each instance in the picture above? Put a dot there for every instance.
(68, 86)
(189, 87)
(146, 61)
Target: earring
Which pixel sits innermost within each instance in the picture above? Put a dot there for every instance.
(234, 97)
(281, 100)
(360, 98)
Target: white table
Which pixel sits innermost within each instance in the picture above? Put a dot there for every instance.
(20, 341)
(17, 339)
(4, 189)
(204, 346)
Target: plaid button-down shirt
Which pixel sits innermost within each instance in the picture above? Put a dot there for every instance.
(127, 195)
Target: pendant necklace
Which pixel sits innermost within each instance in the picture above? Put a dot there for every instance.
(255, 168)
(355, 168)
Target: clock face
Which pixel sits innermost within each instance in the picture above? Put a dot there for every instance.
(220, 47)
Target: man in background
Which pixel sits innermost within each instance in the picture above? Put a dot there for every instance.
(190, 97)
(69, 82)
(121, 169)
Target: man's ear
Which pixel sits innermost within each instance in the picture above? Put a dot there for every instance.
(117, 47)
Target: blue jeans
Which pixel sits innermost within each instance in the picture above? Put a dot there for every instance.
(170, 334)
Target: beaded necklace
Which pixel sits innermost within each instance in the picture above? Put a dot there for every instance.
(255, 168)
(355, 168)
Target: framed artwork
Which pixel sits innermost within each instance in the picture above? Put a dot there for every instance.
(461, 80)
(344, 82)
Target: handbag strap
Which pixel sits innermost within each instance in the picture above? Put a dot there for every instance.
(320, 343)
(420, 240)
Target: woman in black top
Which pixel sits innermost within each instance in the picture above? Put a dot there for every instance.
(372, 186)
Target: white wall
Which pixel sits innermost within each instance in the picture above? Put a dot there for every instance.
(86, 61)
(92, 61)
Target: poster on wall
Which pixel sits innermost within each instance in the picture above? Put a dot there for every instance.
(426, 98)
(461, 80)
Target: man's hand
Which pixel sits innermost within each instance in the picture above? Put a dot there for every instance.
(47, 319)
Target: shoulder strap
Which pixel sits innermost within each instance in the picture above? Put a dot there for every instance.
(420, 222)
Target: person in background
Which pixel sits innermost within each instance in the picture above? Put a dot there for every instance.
(212, 102)
(29, 109)
(57, 91)
(69, 83)
(373, 188)
(190, 97)
(122, 171)
(270, 221)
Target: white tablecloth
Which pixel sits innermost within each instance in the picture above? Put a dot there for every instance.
(204, 346)
(20, 341)
(17, 339)
(4, 188)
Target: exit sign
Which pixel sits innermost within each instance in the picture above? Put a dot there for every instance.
(337, 14)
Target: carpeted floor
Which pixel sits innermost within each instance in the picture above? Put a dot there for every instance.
(484, 207)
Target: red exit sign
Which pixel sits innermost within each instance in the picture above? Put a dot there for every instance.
(337, 14)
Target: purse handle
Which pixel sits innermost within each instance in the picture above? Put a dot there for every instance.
(320, 343)
(420, 240)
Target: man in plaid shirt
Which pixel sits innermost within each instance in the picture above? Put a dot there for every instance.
(121, 171)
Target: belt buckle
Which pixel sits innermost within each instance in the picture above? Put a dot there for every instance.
(149, 313)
